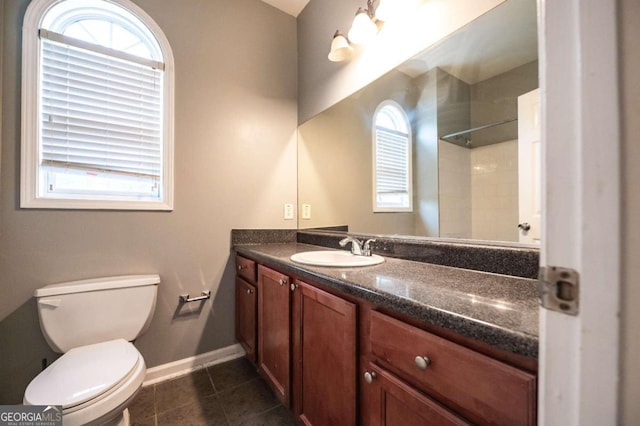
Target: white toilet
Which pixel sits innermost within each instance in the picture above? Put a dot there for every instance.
(93, 322)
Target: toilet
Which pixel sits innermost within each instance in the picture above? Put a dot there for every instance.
(92, 322)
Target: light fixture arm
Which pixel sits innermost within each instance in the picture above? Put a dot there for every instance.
(370, 10)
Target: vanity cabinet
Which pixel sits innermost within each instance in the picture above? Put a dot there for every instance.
(246, 306)
(324, 331)
(274, 324)
(336, 359)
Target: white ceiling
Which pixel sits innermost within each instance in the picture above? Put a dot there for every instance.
(292, 7)
(498, 41)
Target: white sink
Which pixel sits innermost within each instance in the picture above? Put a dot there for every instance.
(336, 258)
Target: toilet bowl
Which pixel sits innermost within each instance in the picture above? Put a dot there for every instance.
(100, 371)
(92, 383)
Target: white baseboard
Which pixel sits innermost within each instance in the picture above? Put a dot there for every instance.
(184, 366)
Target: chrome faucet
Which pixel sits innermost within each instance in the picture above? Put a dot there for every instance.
(357, 247)
(366, 247)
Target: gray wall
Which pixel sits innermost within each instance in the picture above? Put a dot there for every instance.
(335, 171)
(630, 96)
(454, 107)
(317, 23)
(496, 99)
(454, 165)
(235, 166)
(425, 155)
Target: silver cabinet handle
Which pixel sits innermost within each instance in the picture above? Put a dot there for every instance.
(524, 226)
(422, 362)
(283, 281)
(249, 291)
(370, 376)
(241, 267)
(293, 287)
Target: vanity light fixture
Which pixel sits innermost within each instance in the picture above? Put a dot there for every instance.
(364, 28)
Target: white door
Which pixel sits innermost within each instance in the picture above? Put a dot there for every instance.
(578, 379)
(529, 168)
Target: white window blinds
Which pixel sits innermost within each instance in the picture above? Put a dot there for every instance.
(99, 112)
(392, 157)
(392, 160)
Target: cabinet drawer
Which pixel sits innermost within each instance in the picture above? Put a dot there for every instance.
(246, 269)
(484, 390)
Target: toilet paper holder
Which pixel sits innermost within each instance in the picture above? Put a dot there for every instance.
(184, 298)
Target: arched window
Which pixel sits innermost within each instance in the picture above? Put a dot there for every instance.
(97, 122)
(392, 184)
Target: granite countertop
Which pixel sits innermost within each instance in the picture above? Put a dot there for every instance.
(499, 310)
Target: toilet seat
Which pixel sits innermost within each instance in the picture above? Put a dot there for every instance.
(90, 382)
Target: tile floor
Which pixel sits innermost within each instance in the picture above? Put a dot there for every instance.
(225, 394)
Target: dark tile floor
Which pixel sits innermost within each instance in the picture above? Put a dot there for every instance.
(225, 394)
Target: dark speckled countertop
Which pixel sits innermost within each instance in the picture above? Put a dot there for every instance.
(499, 310)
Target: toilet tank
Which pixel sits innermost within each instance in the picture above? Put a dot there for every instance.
(80, 313)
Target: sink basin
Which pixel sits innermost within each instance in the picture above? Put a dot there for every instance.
(336, 258)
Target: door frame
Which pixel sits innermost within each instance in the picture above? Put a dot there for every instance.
(529, 167)
(579, 355)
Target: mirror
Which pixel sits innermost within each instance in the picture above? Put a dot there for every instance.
(460, 97)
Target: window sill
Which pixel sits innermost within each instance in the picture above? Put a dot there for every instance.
(64, 204)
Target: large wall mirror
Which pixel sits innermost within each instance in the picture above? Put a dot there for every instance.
(471, 168)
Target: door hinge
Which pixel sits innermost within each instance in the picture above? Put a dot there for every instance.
(559, 289)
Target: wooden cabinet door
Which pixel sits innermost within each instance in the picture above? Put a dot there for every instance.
(325, 371)
(273, 330)
(246, 311)
(388, 401)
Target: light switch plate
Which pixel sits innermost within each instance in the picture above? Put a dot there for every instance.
(288, 211)
(306, 211)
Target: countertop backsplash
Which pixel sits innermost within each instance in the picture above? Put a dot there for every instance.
(482, 256)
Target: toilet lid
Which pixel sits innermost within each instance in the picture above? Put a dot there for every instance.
(82, 374)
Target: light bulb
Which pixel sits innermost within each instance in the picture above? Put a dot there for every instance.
(384, 11)
(363, 28)
(393, 10)
(340, 48)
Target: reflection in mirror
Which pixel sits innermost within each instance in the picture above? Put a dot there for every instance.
(461, 98)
